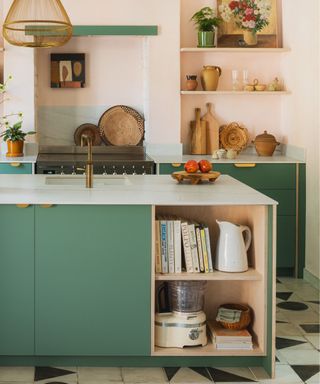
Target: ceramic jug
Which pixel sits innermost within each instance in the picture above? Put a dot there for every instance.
(232, 247)
(210, 77)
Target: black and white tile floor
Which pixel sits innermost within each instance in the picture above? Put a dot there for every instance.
(297, 354)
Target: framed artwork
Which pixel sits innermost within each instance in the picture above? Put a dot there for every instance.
(264, 15)
(68, 70)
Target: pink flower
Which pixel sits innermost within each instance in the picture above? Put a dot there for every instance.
(249, 11)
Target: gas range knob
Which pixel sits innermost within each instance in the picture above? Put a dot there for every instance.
(124, 170)
(104, 171)
(73, 170)
(62, 170)
(143, 170)
(114, 170)
(134, 170)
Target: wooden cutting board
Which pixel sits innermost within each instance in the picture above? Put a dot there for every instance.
(198, 135)
(195, 178)
(212, 130)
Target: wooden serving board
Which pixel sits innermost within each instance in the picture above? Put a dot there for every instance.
(195, 178)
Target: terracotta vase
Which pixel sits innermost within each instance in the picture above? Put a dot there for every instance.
(15, 148)
(210, 77)
(191, 83)
(250, 38)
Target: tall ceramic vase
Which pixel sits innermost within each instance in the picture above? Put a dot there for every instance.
(206, 39)
(250, 38)
(210, 77)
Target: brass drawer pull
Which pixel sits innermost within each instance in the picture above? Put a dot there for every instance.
(245, 165)
(22, 205)
(46, 205)
(16, 165)
(176, 165)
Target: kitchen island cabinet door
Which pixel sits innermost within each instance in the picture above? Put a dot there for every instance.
(16, 280)
(93, 280)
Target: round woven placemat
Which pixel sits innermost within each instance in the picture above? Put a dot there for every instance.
(233, 136)
(121, 125)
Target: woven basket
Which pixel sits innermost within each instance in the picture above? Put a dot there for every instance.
(245, 318)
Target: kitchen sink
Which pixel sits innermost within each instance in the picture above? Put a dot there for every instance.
(80, 181)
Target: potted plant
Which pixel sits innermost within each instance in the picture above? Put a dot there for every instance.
(249, 15)
(206, 21)
(12, 134)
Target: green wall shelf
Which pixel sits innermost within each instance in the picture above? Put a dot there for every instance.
(115, 30)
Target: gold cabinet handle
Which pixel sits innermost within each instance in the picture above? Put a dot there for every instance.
(15, 165)
(46, 205)
(245, 165)
(176, 165)
(22, 205)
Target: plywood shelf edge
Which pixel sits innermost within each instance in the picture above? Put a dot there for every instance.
(255, 93)
(234, 50)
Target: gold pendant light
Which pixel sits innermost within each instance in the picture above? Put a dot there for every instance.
(37, 24)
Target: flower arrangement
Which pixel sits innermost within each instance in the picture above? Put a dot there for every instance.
(250, 15)
(206, 19)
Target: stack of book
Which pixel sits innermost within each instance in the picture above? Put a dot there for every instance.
(232, 339)
(182, 245)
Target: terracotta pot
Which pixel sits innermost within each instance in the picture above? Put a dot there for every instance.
(210, 77)
(15, 148)
(250, 37)
(265, 144)
(206, 39)
(191, 83)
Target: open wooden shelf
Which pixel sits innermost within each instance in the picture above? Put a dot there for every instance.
(250, 275)
(235, 50)
(254, 93)
(207, 350)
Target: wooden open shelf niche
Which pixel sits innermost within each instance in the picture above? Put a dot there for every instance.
(249, 287)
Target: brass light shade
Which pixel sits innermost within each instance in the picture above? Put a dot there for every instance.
(37, 23)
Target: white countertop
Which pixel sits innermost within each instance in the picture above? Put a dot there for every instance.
(133, 190)
(24, 159)
(242, 158)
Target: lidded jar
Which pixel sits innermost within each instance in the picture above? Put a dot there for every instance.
(265, 144)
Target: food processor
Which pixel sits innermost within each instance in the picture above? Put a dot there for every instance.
(181, 321)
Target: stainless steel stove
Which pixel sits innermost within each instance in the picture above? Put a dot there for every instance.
(107, 160)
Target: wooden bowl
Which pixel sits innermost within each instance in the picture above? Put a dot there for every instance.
(245, 318)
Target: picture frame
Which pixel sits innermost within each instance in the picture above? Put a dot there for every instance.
(231, 36)
(67, 70)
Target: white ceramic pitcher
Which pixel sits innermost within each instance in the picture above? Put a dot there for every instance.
(232, 247)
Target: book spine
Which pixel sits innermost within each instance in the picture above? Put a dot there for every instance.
(198, 236)
(164, 248)
(194, 248)
(158, 247)
(204, 250)
(206, 230)
(177, 245)
(170, 245)
(186, 246)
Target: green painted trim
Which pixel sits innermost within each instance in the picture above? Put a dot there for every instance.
(132, 361)
(311, 278)
(268, 362)
(301, 219)
(115, 30)
(23, 169)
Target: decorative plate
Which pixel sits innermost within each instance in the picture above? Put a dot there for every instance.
(90, 130)
(121, 125)
(233, 136)
(195, 178)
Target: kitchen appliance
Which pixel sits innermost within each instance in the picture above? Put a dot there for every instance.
(232, 247)
(184, 325)
(107, 160)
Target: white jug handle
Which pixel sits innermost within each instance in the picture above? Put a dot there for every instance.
(248, 236)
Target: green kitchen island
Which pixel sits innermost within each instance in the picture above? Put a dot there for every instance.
(77, 275)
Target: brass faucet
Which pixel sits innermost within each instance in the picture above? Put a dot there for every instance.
(89, 165)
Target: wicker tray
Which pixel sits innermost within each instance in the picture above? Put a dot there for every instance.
(195, 178)
(121, 125)
(90, 130)
(233, 136)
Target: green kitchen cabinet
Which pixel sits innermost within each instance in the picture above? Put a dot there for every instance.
(285, 183)
(16, 168)
(16, 281)
(92, 266)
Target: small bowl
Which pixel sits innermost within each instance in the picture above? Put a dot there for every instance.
(249, 88)
(260, 87)
(245, 318)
